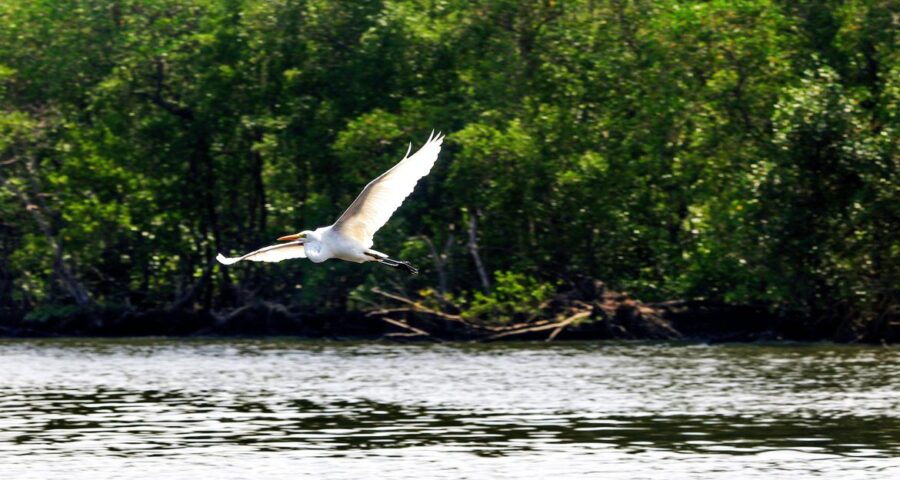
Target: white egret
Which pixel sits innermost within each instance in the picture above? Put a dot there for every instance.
(350, 238)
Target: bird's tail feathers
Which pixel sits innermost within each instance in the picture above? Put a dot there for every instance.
(226, 260)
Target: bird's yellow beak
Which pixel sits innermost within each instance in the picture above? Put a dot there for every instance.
(288, 238)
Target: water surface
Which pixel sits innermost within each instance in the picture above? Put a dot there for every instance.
(170, 409)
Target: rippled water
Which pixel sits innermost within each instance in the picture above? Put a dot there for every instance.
(293, 409)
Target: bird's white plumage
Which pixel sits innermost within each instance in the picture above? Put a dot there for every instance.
(351, 236)
(272, 253)
(382, 196)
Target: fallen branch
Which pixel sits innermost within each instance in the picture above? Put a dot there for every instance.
(516, 326)
(565, 323)
(542, 328)
(617, 315)
(409, 327)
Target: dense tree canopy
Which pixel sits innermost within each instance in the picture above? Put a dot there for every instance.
(737, 150)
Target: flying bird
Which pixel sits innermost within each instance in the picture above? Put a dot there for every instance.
(351, 236)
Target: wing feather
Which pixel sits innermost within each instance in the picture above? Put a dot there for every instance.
(382, 196)
(272, 253)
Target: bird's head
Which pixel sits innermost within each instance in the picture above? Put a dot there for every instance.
(297, 236)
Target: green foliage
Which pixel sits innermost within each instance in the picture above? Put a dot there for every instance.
(744, 151)
(514, 297)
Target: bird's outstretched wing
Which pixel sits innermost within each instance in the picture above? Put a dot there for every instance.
(382, 196)
(272, 253)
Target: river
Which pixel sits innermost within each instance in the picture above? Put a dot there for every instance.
(281, 408)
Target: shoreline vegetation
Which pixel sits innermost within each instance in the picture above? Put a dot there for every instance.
(588, 312)
(741, 154)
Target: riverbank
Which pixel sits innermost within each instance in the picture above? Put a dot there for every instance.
(587, 313)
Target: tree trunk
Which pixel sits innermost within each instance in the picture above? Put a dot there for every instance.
(473, 249)
(440, 261)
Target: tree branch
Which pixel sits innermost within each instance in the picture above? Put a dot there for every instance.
(157, 96)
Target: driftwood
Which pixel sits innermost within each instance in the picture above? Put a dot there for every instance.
(481, 332)
(556, 327)
(585, 312)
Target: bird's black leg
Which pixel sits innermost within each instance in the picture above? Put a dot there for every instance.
(407, 267)
(399, 264)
